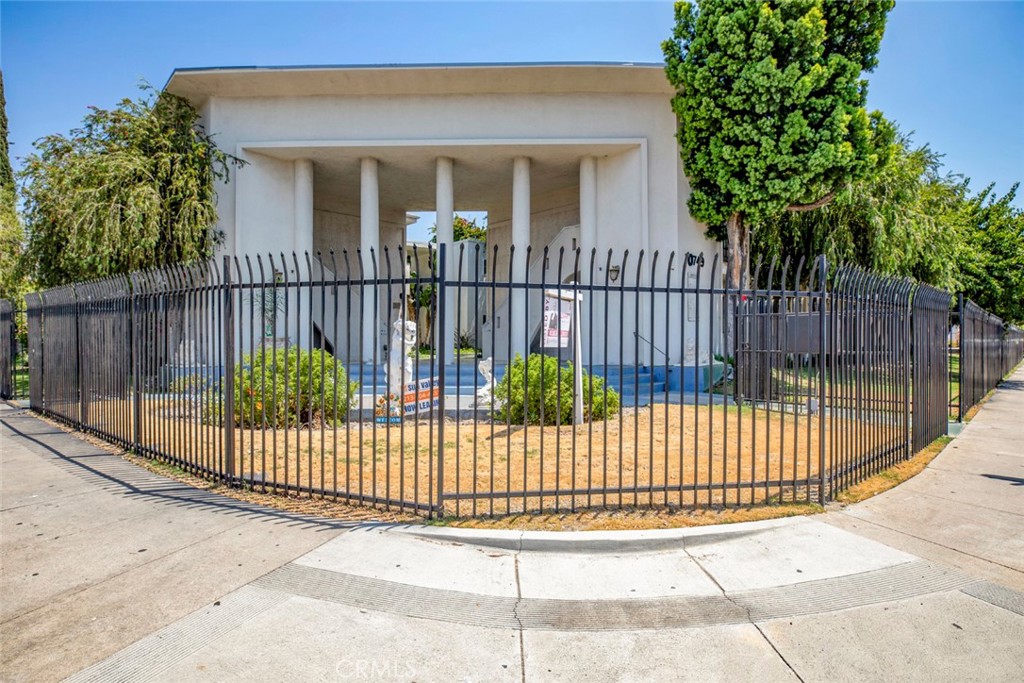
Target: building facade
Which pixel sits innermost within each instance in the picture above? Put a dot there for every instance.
(558, 155)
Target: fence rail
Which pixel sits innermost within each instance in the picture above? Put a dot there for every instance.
(610, 380)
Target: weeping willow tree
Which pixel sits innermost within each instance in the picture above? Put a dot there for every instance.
(904, 220)
(133, 188)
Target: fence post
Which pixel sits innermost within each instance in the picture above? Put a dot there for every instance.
(83, 405)
(908, 384)
(133, 341)
(823, 274)
(442, 339)
(7, 339)
(960, 359)
(227, 374)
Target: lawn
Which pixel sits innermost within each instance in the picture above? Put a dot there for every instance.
(675, 455)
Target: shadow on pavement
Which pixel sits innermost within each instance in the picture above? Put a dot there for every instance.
(118, 476)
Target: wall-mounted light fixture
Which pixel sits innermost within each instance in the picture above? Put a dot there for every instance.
(613, 273)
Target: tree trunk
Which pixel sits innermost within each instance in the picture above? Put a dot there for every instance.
(739, 250)
(738, 235)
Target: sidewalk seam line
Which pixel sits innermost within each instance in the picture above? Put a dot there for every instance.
(515, 609)
(929, 541)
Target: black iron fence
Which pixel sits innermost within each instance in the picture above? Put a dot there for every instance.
(13, 351)
(988, 348)
(930, 345)
(471, 381)
(869, 365)
(6, 349)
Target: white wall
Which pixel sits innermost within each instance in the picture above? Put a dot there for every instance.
(652, 171)
(641, 191)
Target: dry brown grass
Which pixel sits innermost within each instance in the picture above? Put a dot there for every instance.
(632, 518)
(673, 425)
(893, 476)
(665, 455)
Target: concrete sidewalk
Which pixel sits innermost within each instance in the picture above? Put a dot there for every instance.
(113, 573)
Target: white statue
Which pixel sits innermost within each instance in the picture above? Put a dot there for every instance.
(486, 393)
(690, 357)
(399, 367)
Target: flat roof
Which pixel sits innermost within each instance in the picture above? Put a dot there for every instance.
(199, 84)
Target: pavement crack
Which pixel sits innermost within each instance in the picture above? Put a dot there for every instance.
(515, 608)
(703, 569)
(781, 656)
(744, 608)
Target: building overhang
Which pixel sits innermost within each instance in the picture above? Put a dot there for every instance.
(482, 169)
(200, 84)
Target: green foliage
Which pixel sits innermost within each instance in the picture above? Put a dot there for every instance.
(912, 219)
(463, 229)
(291, 387)
(13, 281)
(553, 404)
(465, 340)
(890, 222)
(133, 188)
(770, 103)
(6, 174)
(191, 384)
(991, 254)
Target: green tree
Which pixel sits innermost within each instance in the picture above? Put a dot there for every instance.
(132, 188)
(13, 283)
(991, 254)
(902, 220)
(463, 229)
(770, 103)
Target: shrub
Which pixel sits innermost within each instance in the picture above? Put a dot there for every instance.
(291, 387)
(517, 400)
(191, 384)
(465, 340)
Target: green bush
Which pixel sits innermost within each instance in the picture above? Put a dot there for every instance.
(518, 398)
(291, 387)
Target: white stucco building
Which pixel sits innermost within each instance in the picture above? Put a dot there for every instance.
(556, 154)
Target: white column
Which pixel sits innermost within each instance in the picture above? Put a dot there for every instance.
(588, 236)
(445, 207)
(520, 240)
(302, 239)
(588, 212)
(369, 245)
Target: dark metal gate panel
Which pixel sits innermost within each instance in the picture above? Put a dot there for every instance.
(930, 362)
(7, 349)
(869, 374)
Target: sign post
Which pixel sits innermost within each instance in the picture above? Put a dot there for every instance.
(562, 316)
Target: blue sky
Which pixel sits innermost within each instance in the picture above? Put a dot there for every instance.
(952, 72)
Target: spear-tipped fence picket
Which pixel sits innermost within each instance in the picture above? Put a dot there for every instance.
(269, 372)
